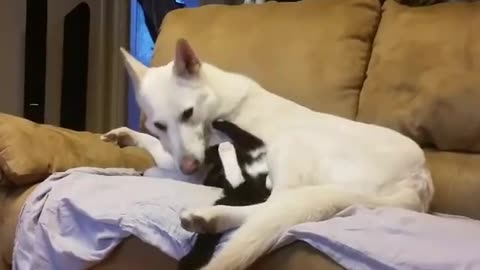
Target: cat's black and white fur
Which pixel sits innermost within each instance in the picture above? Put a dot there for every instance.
(250, 153)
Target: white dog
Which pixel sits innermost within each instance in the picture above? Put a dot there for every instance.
(319, 164)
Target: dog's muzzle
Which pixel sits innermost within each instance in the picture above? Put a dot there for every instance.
(189, 165)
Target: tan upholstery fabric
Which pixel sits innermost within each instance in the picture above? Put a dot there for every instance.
(457, 183)
(424, 75)
(29, 152)
(313, 52)
(11, 202)
(134, 254)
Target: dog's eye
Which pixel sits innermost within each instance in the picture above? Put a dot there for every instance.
(187, 114)
(160, 126)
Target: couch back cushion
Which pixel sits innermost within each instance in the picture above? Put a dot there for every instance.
(312, 52)
(424, 81)
(457, 182)
(424, 75)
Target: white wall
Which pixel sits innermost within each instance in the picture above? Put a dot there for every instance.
(12, 36)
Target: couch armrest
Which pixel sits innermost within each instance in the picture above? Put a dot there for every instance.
(11, 203)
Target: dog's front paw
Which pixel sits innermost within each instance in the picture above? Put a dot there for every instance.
(122, 136)
(195, 221)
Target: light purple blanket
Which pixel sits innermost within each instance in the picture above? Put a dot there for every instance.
(76, 218)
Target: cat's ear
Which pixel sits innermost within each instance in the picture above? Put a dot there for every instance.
(186, 63)
(136, 70)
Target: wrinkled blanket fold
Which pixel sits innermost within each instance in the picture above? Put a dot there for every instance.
(76, 218)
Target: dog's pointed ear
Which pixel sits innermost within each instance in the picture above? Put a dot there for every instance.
(136, 70)
(186, 63)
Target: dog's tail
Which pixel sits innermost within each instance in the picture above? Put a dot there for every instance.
(263, 229)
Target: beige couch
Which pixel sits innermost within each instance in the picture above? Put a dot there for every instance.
(416, 70)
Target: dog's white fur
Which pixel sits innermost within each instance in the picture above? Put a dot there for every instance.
(319, 164)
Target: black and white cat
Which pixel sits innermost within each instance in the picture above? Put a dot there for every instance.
(254, 186)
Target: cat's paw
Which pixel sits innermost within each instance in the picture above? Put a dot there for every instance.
(122, 136)
(196, 221)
